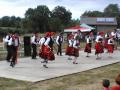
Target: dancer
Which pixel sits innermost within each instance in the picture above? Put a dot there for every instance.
(70, 49)
(76, 46)
(88, 45)
(48, 50)
(106, 40)
(15, 45)
(34, 42)
(41, 43)
(110, 46)
(8, 43)
(59, 41)
(99, 45)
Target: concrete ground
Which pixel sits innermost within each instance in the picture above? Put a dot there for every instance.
(32, 70)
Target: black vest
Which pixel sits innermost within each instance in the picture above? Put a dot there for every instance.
(59, 40)
(51, 42)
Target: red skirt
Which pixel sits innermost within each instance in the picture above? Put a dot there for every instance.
(69, 51)
(76, 52)
(88, 48)
(48, 54)
(110, 48)
(41, 52)
(106, 43)
(99, 48)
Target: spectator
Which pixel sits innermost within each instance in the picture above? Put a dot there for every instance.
(117, 80)
(106, 84)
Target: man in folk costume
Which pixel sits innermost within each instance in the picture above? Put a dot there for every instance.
(15, 45)
(70, 49)
(106, 40)
(8, 44)
(110, 45)
(76, 46)
(88, 45)
(114, 35)
(48, 50)
(78, 35)
(34, 42)
(59, 41)
(99, 49)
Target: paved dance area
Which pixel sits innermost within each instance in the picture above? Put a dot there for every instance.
(32, 70)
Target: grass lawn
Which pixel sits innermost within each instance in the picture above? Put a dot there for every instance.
(88, 80)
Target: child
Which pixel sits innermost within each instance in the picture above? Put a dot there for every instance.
(117, 80)
(106, 84)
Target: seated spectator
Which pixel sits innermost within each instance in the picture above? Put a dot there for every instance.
(106, 84)
(117, 87)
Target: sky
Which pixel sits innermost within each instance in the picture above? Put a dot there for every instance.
(76, 7)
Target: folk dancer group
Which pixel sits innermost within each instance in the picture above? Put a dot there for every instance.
(12, 42)
(101, 42)
(46, 46)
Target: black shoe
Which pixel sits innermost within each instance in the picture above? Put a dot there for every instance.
(12, 64)
(8, 60)
(45, 66)
(87, 56)
(75, 63)
(45, 61)
(34, 58)
(42, 61)
(98, 58)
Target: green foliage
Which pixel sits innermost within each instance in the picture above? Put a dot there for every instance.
(93, 13)
(61, 13)
(37, 18)
(41, 19)
(12, 21)
(112, 10)
(5, 30)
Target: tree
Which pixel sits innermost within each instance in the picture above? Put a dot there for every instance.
(55, 24)
(5, 21)
(112, 10)
(38, 18)
(74, 22)
(93, 13)
(61, 13)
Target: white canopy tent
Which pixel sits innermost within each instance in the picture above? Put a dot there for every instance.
(76, 28)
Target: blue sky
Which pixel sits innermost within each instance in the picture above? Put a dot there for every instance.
(77, 7)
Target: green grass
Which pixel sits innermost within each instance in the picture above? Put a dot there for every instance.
(88, 80)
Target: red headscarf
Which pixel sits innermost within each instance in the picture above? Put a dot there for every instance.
(47, 34)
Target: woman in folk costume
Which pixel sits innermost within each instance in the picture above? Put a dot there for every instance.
(69, 49)
(88, 45)
(42, 46)
(110, 45)
(76, 46)
(48, 50)
(99, 49)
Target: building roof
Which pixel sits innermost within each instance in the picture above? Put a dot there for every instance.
(86, 26)
(76, 28)
(98, 20)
